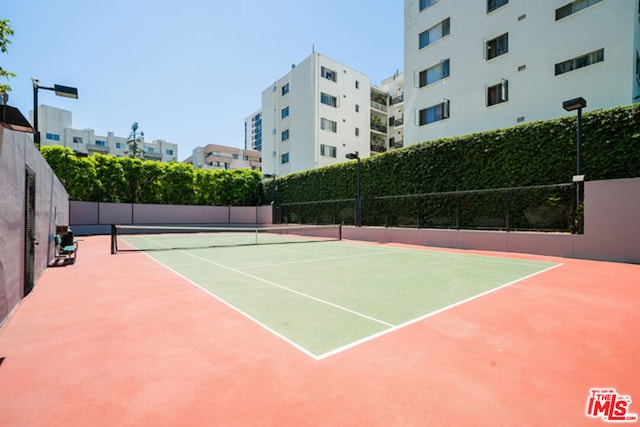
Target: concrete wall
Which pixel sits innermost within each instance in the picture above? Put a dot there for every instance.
(96, 218)
(52, 207)
(612, 230)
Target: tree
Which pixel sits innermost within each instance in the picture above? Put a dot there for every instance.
(136, 150)
(5, 32)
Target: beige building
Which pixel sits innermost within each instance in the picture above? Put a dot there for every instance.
(214, 156)
(55, 126)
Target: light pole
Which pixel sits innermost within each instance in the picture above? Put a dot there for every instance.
(358, 219)
(65, 91)
(571, 105)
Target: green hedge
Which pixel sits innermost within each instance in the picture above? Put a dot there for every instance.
(107, 178)
(537, 153)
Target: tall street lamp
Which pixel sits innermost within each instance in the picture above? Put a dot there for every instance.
(571, 105)
(65, 91)
(358, 220)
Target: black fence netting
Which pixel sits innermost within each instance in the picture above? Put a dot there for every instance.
(549, 208)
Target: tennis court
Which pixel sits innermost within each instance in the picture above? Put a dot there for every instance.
(318, 293)
(127, 340)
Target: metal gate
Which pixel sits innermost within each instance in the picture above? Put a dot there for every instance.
(29, 229)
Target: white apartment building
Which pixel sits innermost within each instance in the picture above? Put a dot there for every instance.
(394, 88)
(214, 156)
(314, 115)
(475, 65)
(253, 131)
(55, 126)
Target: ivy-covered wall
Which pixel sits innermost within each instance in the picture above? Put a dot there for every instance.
(531, 154)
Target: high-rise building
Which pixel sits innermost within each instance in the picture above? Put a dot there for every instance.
(314, 115)
(253, 131)
(474, 65)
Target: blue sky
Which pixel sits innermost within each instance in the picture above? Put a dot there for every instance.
(187, 71)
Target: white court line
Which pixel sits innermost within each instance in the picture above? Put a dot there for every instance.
(430, 314)
(278, 264)
(311, 297)
(392, 328)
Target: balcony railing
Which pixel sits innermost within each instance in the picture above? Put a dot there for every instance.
(379, 127)
(378, 106)
(398, 122)
(398, 99)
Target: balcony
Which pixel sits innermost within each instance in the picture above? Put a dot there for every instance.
(378, 106)
(397, 100)
(98, 148)
(396, 144)
(378, 127)
(398, 122)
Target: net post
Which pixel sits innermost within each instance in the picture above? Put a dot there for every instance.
(339, 231)
(114, 247)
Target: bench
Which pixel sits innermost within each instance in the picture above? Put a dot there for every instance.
(66, 246)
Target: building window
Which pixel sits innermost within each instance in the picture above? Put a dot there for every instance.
(495, 4)
(120, 145)
(284, 158)
(580, 62)
(433, 74)
(357, 84)
(285, 89)
(245, 158)
(496, 47)
(357, 131)
(330, 125)
(285, 112)
(328, 151)
(357, 108)
(100, 143)
(434, 34)
(235, 156)
(169, 152)
(427, 3)
(284, 135)
(498, 93)
(573, 7)
(53, 136)
(78, 140)
(328, 74)
(434, 114)
(327, 99)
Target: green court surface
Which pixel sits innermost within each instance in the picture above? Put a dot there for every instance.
(324, 297)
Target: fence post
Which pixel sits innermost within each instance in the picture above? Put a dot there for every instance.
(508, 206)
(457, 210)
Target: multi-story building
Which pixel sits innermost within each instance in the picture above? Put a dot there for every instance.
(378, 129)
(394, 89)
(214, 156)
(55, 126)
(253, 132)
(474, 65)
(314, 115)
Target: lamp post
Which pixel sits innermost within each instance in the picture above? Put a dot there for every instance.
(358, 219)
(65, 91)
(571, 105)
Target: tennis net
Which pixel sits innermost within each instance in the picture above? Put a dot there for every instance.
(176, 237)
